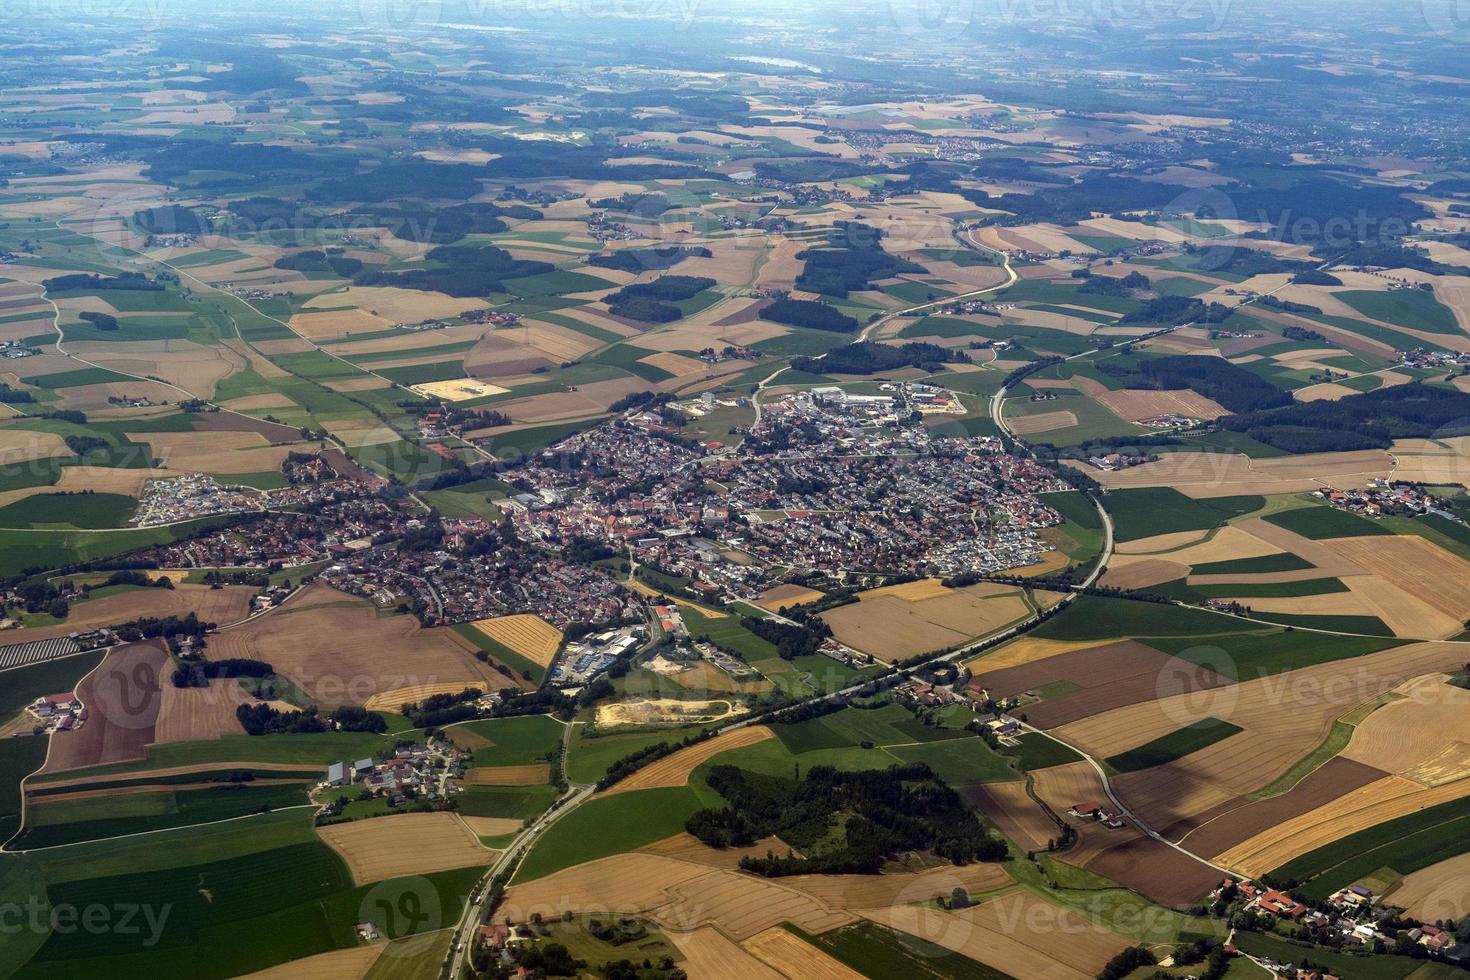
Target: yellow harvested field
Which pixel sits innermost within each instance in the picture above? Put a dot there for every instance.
(743, 905)
(710, 955)
(1226, 474)
(1017, 933)
(535, 774)
(214, 452)
(334, 324)
(1042, 422)
(854, 892)
(257, 402)
(459, 390)
(678, 365)
(687, 847)
(492, 826)
(674, 770)
(787, 595)
(22, 446)
(1283, 719)
(1370, 805)
(394, 304)
(395, 699)
(1424, 735)
(916, 591)
(1134, 405)
(1441, 461)
(1027, 649)
(529, 635)
(352, 963)
(192, 714)
(1417, 565)
(791, 956)
(629, 883)
(1161, 544)
(888, 626)
(1440, 891)
(405, 844)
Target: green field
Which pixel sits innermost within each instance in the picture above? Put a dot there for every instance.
(1416, 309)
(876, 951)
(1175, 745)
(1095, 617)
(588, 759)
(512, 802)
(515, 741)
(316, 748)
(1247, 656)
(1350, 966)
(959, 761)
(609, 825)
(1405, 844)
(1283, 562)
(96, 818)
(1321, 522)
(69, 511)
(299, 895)
(1036, 751)
(1143, 513)
(890, 724)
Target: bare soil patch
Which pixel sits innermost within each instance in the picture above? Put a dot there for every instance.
(338, 650)
(122, 698)
(535, 774)
(787, 595)
(1112, 676)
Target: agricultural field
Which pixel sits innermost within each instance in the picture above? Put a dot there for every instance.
(352, 372)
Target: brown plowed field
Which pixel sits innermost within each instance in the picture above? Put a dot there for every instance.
(787, 595)
(1147, 866)
(531, 775)
(122, 698)
(404, 844)
(1242, 819)
(1021, 934)
(1367, 806)
(339, 651)
(1283, 717)
(1440, 891)
(710, 955)
(743, 905)
(674, 770)
(221, 606)
(1112, 676)
(1143, 573)
(788, 954)
(1015, 814)
(1028, 649)
(623, 883)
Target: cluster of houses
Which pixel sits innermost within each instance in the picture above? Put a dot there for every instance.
(432, 772)
(1353, 911)
(58, 712)
(1385, 497)
(1098, 813)
(1168, 421)
(1118, 461)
